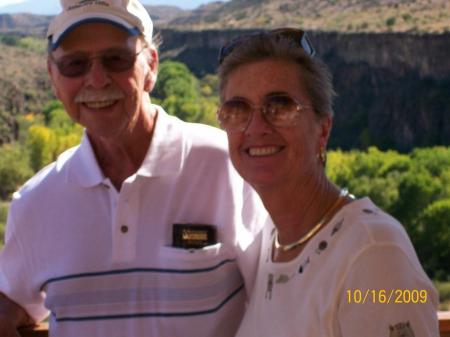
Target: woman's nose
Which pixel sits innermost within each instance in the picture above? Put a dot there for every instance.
(258, 124)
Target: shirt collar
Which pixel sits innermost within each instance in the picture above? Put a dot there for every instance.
(167, 149)
(165, 155)
(83, 167)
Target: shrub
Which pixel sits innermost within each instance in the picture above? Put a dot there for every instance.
(390, 21)
(433, 241)
(14, 169)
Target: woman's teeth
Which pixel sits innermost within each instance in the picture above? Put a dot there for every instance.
(263, 151)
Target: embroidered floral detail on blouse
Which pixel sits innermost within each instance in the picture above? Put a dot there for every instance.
(283, 278)
(401, 330)
(269, 286)
(337, 227)
(303, 266)
(321, 246)
(369, 211)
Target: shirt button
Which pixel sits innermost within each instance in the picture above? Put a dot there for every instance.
(124, 229)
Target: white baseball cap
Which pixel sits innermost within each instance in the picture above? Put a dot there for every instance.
(129, 15)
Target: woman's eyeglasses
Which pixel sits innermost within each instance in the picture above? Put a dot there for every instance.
(296, 35)
(114, 60)
(279, 110)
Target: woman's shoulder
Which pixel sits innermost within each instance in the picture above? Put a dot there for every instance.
(372, 224)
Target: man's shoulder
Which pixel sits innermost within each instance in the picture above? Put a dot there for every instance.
(188, 135)
(205, 135)
(49, 177)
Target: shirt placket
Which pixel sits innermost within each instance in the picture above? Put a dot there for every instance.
(124, 218)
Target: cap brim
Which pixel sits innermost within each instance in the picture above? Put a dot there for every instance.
(55, 40)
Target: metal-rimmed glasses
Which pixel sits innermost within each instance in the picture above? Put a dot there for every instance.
(279, 110)
(297, 35)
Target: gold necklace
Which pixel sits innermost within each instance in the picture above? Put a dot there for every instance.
(343, 193)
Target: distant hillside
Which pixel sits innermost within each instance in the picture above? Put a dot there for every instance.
(25, 24)
(162, 15)
(324, 15)
(36, 25)
(24, 87)
(416, 16)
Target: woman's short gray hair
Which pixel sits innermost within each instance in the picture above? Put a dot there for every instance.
(316, 75)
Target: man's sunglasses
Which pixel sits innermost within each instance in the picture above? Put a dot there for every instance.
(114, 60)
(296, 35)
(279, 110)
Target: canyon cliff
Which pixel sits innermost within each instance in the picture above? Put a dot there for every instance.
(393, 89)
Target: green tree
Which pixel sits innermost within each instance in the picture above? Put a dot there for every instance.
(49, 107)
(3, 217)
(42, 146)
(433, 242)
(14, 169)
(183, 95)
(175, 79)
(435, 160)
(33, 44)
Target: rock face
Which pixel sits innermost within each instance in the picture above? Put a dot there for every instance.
(393, 88)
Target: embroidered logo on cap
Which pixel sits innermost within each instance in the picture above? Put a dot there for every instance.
(69, 5)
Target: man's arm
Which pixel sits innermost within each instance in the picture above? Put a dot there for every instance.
(12, 316)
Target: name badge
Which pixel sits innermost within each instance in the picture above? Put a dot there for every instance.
(193, 236)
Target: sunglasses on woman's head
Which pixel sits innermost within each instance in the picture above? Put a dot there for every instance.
(114, 60)
(296, 35)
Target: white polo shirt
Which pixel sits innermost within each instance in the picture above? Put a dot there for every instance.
(102, 262)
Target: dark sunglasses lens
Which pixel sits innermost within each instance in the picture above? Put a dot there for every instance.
(118, 60)
(79, 64)
(234, 114)
(73, 65)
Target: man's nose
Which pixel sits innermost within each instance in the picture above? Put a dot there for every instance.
(97, 76)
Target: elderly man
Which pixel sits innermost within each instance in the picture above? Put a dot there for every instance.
(141, 229)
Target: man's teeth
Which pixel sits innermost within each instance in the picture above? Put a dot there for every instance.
(263, 151)
(100, 104)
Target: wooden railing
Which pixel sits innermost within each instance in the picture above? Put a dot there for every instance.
(444, 323)
(42, 329)
(39, 331)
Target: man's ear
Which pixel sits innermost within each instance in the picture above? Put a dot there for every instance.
(151, 69)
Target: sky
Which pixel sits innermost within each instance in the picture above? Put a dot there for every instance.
(49, 7)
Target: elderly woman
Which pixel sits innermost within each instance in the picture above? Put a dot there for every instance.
(330, 265)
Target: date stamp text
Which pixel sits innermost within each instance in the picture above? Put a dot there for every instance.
(385, 296)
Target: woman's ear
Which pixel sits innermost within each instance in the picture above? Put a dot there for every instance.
(326, 124)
